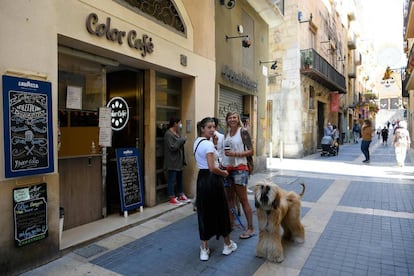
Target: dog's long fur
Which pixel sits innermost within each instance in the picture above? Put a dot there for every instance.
(275, 208)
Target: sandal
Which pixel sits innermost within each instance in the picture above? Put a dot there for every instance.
(246, 235)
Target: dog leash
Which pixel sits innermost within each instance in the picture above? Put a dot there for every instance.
(238, 218)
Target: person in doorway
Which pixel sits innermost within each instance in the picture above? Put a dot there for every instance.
(212, 208)
(174, 160)
(235, 161)
(384, 135)
(366, 134)
(401, 142)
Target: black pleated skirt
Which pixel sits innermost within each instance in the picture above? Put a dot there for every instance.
(212, 208)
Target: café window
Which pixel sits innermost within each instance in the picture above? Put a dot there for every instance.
(80, 94)
(168, 102)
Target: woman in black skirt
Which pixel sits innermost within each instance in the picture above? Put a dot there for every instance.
(212, 210)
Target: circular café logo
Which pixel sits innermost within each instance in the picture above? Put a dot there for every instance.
(119, 113)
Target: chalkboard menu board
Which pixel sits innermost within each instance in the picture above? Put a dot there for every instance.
(129, 178)
(30, 214)
(27, 109)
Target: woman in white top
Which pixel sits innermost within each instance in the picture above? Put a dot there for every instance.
(212, 208)
(401, 142)
(235, 161)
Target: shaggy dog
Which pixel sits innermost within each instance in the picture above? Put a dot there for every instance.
(277, 207)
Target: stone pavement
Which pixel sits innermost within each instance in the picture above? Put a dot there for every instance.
(359, 220)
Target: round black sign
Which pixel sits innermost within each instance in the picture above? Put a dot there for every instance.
(119, 113)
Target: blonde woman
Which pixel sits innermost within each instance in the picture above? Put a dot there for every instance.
(234, 159)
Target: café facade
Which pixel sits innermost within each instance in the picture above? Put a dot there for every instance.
(89, 85)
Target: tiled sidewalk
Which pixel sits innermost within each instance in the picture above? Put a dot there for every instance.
(359, 220)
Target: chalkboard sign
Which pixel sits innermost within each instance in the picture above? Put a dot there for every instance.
(129, 178)
(30, 214)
(27, 110)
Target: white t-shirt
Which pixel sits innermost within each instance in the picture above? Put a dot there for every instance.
(236, 145)
(204, 147)
(220, 147)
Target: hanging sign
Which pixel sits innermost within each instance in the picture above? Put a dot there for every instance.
(334, 101)
(27, 113)
(119, 113)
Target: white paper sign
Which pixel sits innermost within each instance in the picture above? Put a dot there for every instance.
(74, 97)
(105, 136)
(105, 117)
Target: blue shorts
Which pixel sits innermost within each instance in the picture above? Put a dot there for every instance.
(239, 177)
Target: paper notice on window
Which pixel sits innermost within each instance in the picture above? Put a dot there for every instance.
(74, 97)
(105, 136)
(105, 117)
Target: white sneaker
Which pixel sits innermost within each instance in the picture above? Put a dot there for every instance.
(228, 249)
(204, 254)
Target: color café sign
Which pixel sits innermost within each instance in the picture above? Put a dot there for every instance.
(143, 44)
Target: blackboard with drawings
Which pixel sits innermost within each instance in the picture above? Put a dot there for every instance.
(129, 178)
(30, 214)
(28, 132)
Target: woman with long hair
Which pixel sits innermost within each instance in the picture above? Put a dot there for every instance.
(366, 135)
(212, 208)
(237, 146)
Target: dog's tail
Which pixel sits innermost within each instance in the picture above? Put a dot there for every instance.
(303, 189)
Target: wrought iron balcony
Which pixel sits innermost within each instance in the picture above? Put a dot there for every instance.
(317, 68)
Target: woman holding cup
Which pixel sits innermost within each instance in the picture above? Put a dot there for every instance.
(235, 161)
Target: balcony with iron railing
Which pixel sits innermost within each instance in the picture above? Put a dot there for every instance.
(317, 68)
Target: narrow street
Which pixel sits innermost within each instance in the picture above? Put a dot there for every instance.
(358, 218)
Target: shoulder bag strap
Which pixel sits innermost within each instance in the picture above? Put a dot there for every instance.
(198, 145)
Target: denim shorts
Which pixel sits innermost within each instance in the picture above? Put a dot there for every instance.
(239, 177)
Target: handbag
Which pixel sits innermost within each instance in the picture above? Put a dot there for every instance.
(246, 141)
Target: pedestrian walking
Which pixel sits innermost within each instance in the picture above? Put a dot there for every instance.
(356, 131)
(366, 134)
(211, 202)
(384, 135)
(401, 142)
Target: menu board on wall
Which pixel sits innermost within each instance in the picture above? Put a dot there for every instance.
(27, 113)
(129, 178)
(30, 214)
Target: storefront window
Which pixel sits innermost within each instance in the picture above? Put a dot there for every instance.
(168, 105)
(80, 94)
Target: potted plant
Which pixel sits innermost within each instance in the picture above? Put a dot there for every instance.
(308, 61)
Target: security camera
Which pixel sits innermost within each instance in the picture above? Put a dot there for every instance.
(230, 4)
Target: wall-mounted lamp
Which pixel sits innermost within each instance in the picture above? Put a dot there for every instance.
(246, 42)
(300, 18)
(228, 3)
(273, 66)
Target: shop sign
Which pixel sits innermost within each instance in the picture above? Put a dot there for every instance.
(27, 109)
(129, 178)
(238, 78)
(143, 44)
(119, 113)
(30, 214)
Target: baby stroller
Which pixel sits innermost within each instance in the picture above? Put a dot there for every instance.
(329, 146)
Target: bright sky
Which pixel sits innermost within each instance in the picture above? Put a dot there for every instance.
(382, 21)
